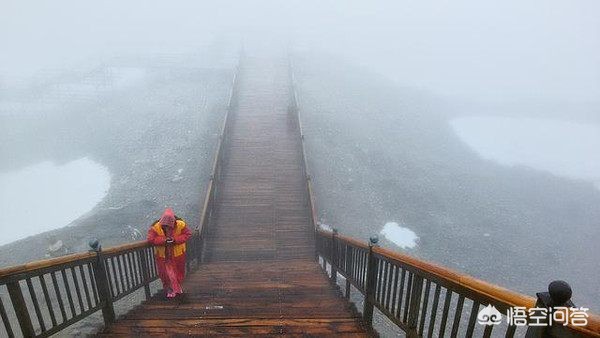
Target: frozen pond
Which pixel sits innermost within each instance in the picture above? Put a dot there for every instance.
(47, 196)
(563, 148)
(401, 236)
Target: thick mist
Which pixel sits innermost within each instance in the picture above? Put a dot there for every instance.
(383, 87)
(499, 52)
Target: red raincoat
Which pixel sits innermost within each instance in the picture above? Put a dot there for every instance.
(169, 257)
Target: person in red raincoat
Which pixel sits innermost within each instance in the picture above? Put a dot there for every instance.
(168, 235)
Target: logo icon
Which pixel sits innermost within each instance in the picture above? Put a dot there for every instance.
(489, 315)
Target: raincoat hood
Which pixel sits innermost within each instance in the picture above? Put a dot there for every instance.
(168, 218)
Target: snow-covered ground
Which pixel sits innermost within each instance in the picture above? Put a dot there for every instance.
(149, 122)
(115, 113)
(379, 152)
(564, 148)
(48, 196)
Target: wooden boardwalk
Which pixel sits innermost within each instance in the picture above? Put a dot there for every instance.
(262, 213)
(260, 277)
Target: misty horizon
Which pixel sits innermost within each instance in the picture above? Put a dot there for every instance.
(461, 132)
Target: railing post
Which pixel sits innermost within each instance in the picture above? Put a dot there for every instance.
(220, 157)
(201, 254)
(16, 297)
(347, 269)
(198, 247)
(317, 240)
(371, 283)
(215, 188)
(193, 251)
(189, 256)
(415, 302)
(558, 295)
(333, 257)
(316, 235)
(145, 272)
(102, 282)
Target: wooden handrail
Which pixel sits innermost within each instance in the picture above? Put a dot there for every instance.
(84, 282)
(459, 280)
(125, 247)
(593, 327)
(500, 294)
(80, 256)
(46, 263)
(346, 239)
(98, 278)
(210, 189)
(296, 110)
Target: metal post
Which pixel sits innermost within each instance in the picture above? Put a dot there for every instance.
(145, 272)
(347, 269)
(333, 257)
(16, 297)
(370, 283)
(102, 283)
(558, 295)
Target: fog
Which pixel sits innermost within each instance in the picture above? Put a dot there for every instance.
(463, 49)
(566, 149)
(383, 87)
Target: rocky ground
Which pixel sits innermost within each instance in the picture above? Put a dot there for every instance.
(379, 152)
(157, 140)
(156, 136)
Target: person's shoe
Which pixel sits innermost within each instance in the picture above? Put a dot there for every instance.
(171, 295)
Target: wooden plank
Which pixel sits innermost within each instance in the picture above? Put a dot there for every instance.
(259, 276)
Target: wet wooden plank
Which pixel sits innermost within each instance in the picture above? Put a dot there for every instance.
(260, 278)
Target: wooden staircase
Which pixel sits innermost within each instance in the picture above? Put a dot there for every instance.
(260, 277)
(256, 246)
(292, 298)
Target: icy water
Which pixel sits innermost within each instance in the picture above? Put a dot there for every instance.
(48, 196)
(563, 148)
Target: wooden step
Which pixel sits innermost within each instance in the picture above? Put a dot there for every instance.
(260, 278)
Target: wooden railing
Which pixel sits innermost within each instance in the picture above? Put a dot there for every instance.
(294, 109)
(47, 296)
(196, 243)
(44, 297)
(421, 298)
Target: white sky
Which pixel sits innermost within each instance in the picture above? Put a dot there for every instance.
(466, 49)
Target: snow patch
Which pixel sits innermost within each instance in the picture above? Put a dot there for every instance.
(567, 149)
(325, 227)
(401, 236)
(46, 196)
